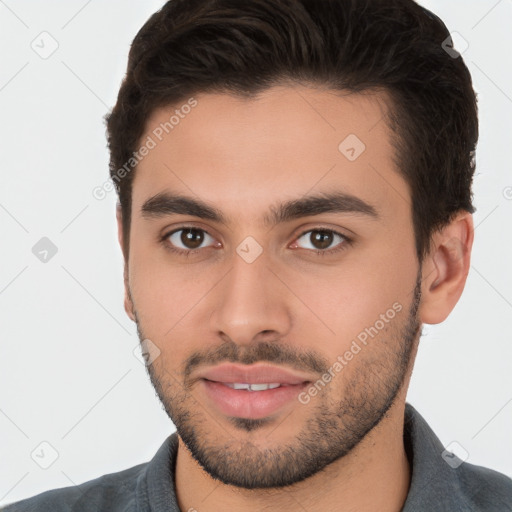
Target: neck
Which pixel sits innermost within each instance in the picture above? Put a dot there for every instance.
(375, 475)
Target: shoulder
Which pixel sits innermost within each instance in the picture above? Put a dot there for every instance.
(485, 488)
(442, 481)
(111, 492)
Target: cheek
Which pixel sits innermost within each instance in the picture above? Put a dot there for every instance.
(165, 303)
(347, 300)
(164, 294)
(344, 305)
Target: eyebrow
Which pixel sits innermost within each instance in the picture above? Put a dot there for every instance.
(165, 204)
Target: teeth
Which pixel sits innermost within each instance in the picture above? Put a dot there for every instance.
(262, 387)
(252, 387)
(238, 385)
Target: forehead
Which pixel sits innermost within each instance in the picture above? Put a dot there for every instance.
(245, 154)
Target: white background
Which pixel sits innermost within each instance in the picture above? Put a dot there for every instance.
(68, 373)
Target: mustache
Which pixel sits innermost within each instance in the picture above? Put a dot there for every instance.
(270, 352)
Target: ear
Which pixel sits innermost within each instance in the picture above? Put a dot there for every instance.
(446, 268)
(128, 304)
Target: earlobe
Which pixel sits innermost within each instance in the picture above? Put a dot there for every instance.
(446, 268)
(128, 306)
(128, 303)
(119, 218)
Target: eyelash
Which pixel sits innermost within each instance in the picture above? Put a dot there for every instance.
(182, 252)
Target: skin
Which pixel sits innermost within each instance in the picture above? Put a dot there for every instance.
(343, 450)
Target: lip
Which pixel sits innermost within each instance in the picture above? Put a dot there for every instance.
(251, 404)
(254, 374)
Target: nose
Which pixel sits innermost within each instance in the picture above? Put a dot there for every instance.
(251, 304)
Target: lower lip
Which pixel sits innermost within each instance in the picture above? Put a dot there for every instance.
(250, 404)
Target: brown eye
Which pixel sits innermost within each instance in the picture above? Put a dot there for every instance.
(187, 238)
(322, 239)
(191, 238)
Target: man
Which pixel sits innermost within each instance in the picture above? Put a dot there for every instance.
(294, 182)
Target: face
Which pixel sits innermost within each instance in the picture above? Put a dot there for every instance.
(291, 248)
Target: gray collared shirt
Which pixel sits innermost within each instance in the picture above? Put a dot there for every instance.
(440, 482)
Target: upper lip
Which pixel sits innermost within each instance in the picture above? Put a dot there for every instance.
(254, 374)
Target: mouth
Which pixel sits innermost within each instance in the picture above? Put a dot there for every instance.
(251, 400)
(252, 391)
